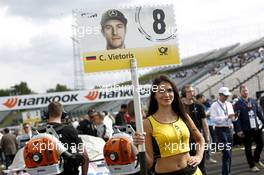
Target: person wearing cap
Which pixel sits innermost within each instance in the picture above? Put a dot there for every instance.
(248, 127)
(87, 126)
(113, 28)
(222, 114)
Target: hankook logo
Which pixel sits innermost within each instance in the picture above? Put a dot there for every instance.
(11, 102)
(92, 95)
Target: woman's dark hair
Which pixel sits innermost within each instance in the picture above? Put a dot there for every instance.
(176, 105)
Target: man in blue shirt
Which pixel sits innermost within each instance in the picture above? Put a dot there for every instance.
(248, 127)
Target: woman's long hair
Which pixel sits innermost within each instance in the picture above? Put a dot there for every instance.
(176, 105)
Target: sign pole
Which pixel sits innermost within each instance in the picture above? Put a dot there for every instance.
(138, 114)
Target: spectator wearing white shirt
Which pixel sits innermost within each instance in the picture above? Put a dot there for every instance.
(108, 121)
(221, 113)
(100, 126)
(24, 138)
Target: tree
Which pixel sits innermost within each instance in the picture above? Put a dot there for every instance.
(17, 89)
(59, 88)
(20, 89)
(4, 92)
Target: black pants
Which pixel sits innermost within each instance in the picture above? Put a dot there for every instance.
(256, 135)
(1, 157)
(193, 153)
(9, 160)
(189, 170)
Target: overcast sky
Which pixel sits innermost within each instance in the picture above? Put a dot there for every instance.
(35, 43)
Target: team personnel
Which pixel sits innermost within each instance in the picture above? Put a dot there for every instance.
(113, 28)
(68, 136)
(197, 113)
(222, 114)
(206, 104)
(248, 128)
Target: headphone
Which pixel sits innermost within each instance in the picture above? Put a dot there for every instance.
(45, 115)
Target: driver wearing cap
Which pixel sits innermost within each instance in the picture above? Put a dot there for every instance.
(113, 25)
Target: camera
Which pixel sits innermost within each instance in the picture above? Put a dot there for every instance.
(45, 115)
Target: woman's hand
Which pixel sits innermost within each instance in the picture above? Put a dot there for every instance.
(138, 139)
(194, 160)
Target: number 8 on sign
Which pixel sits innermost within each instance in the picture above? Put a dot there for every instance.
(159, 26)
(163, 26)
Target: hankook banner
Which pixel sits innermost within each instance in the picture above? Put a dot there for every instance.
(109, 38)
(71, 97)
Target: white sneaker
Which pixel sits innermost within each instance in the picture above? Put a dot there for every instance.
(212, 160)
(260, 164)
(254, 169)
(242, 148)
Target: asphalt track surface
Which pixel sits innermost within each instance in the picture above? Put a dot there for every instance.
(239, 164)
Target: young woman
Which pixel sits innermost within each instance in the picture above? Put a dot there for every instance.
(168, 129)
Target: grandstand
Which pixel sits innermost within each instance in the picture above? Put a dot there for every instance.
(235, 78)
(254, 83)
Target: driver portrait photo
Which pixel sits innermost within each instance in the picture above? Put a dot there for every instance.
(113, 28)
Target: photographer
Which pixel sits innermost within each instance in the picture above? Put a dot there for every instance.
(69, 138)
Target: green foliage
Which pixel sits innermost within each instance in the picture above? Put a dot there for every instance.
(18, 89)
(21, 89)
(59, 88)
(4, 92)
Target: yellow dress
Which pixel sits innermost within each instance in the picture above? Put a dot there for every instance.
(171, 138)
(198, 172)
